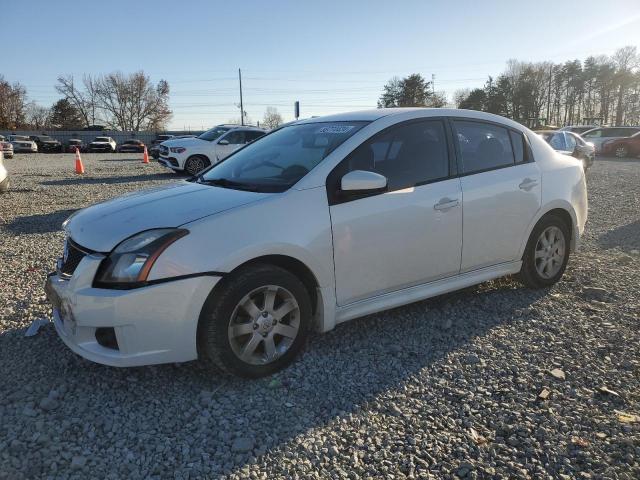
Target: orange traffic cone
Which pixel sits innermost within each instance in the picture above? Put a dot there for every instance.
(145, 157)
(79, 166)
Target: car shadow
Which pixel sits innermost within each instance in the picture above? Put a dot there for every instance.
(40, 223)
(626, 237)
(111, 180)
(339, 373)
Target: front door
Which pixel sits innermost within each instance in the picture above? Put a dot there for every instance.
(230, 143)
(409, 234)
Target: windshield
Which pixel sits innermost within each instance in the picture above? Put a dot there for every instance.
(44, 138)
(277, 161)
(101, 139)
(215, 132)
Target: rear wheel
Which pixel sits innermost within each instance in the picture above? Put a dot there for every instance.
(621, 151)
(195, 164)
(547, 253)
(256, 323)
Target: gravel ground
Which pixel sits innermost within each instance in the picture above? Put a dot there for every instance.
(496, 381)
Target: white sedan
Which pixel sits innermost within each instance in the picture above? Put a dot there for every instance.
(314, 224)
(4, 176)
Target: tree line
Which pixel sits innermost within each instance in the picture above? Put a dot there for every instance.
(601, 89)
(118, 101)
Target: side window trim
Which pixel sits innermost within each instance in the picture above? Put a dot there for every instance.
(334, 197)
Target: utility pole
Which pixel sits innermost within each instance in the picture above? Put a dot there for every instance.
(433, 84)
(241, 105)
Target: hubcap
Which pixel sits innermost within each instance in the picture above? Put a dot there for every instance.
(621, 152)
(550, 252)
(264, 325)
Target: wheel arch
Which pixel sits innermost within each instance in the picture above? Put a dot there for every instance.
(299, 269)
(565, 211)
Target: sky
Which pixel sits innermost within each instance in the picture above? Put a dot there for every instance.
(332, 56)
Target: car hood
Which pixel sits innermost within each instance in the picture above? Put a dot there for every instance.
(102, 226)
(100, 143)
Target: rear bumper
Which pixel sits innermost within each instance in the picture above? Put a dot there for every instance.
(152, 325)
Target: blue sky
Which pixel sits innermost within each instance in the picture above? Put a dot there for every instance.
(331, 55)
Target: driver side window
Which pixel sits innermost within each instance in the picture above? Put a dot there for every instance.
(235, 137)
(408, 155)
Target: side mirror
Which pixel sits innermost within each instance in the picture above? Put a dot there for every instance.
(223, 142)
(363, 181)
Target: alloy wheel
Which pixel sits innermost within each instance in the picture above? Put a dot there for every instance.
(264, 325)
(550, 252)
(621, 152)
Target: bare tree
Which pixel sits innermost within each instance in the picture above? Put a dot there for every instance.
(132, 102)
(460, 95)
(83, 99)
(37, 116)
(272, 118)
(12, 104)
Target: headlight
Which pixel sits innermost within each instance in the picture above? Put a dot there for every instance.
(177, 149)
(130, 262)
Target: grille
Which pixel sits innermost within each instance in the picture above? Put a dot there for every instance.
(71, 260)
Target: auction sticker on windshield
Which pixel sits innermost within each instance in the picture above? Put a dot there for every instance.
(336, 129)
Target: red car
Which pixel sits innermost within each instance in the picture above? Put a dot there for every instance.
(132, 145)
(623, 147)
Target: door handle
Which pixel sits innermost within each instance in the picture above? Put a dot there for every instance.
(527, 184)
(446, 203)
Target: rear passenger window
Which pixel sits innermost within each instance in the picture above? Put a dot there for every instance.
(483, 146)
(408, 155)
(518, 144)
(250, 136)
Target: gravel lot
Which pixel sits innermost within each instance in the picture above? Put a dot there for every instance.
(493, 382)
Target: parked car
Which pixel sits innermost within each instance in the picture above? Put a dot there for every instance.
(132, 145)
(192, 155)
(569, 143)
(312, 225)
(2, 139)
(4, 176)
(7, 149)
(74, 143)
(103, 144)
(579, 129)
(46, 144)
(154, 149)
(598, 136)
(623, 147)
(22, 143)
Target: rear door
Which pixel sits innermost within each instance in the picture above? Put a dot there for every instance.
(501, 192)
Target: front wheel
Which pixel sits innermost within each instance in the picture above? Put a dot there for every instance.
(547, 253)
(622, 152)
(256, 323)
(195, 164)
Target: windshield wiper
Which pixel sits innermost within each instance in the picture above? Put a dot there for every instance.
(226, 183)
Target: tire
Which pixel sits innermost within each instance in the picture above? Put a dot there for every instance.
(195, 164)
(221, 344)
(621, 152)
(531, 274)
(4, 185)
